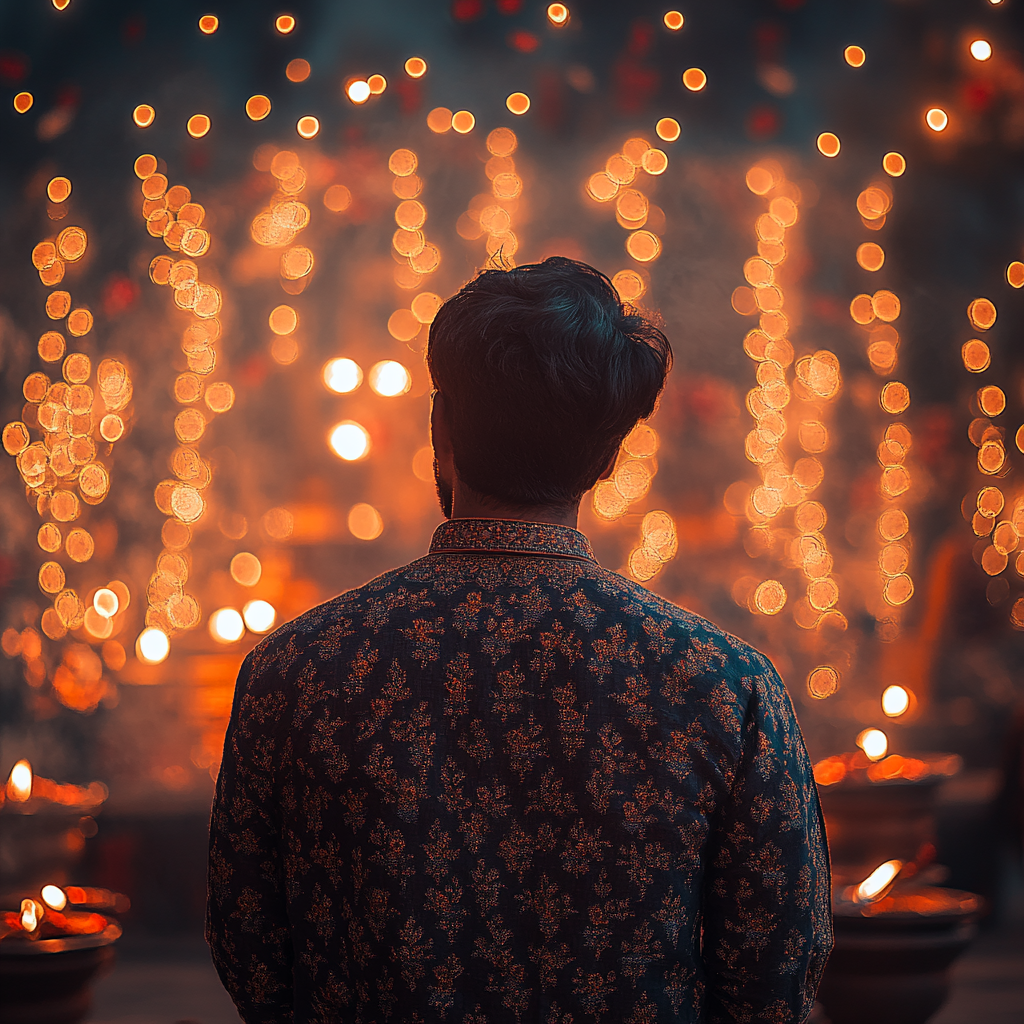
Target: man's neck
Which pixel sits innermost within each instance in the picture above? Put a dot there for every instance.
(469, 505)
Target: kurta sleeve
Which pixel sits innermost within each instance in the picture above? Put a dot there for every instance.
(247, 923)
(767, 924)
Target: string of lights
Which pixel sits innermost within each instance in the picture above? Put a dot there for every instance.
(77, 423)
(171, 214)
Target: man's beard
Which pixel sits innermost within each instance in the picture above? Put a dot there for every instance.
(444, 492)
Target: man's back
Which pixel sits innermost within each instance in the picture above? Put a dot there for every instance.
(504, 784)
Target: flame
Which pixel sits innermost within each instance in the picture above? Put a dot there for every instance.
(19, 785)
(877, 883)
(31, 914)
(54, 897)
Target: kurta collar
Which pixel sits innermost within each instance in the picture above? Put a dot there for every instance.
(510, 537)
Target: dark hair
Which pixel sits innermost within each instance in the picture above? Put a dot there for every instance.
(543, 371)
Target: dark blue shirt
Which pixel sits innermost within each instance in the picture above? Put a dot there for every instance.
(504, 784)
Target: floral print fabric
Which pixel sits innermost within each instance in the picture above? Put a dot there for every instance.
(502, 784)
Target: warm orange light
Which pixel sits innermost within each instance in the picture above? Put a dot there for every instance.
(308, 126)
(297, 70)
(259, 616)
(463, 122)
(415, 67)
(518, 103)
(854, 56)
(257, 107)
(822, 682)
(870, 256)
(31, 912)
(936, 119)
(227, 625)
(439, 120)
(337, 198)
(694, 79)
(349, 440)
(668, 129)
(377, 84)
(23, 102)
(152, 646)
(19, 784)
(673, 20)
(976, 356)
(982, 314)
(198, 125)
(283, 320)
(54, 897)
(143, 115)
(365, 522)
(208, 24)
(895, 701)
(106, 602)
(58, 190)
(558, 14)
(342, 376)
(284, 23)
(894, 164)
(876, 885)
(874, 743)
(1015, 274)
(390, 378)
(246, 569)
(981, 49)
(358, 91)
(828, 144)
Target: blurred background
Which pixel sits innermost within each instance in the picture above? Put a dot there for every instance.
(224, 231)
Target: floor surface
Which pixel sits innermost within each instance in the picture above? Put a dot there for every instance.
(162, 981)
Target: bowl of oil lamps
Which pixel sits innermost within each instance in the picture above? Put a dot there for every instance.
(881, 808)
(43, 827)
(51, 952)
(896, 938)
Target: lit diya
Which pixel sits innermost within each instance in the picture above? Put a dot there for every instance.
(879, 805)
(896, 938)
(44, 825)
(50, 954)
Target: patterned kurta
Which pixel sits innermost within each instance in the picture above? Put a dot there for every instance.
(504, 784)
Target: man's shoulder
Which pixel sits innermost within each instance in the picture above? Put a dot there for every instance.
(323, 630)
(685, 635)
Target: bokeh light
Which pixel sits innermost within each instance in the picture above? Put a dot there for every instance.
(152, 646)
(694, 79)
(259, 616)
(349, 440)
(143, 115)
(208, 24)
(981, 49)
(828, 144)
(198, 125)
(936, 119)
(518, 102)
(895, 701)
(227, 625)
(358, 91)
(854, 56)
(558, 14)
(389, 378)
(365, 522)
(673, 20)
(415, 67)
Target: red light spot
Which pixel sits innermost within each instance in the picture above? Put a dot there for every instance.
(763, 122)
(523, 41)
(13, 66)
(467, 10)
(509, 6)
(120, 292)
